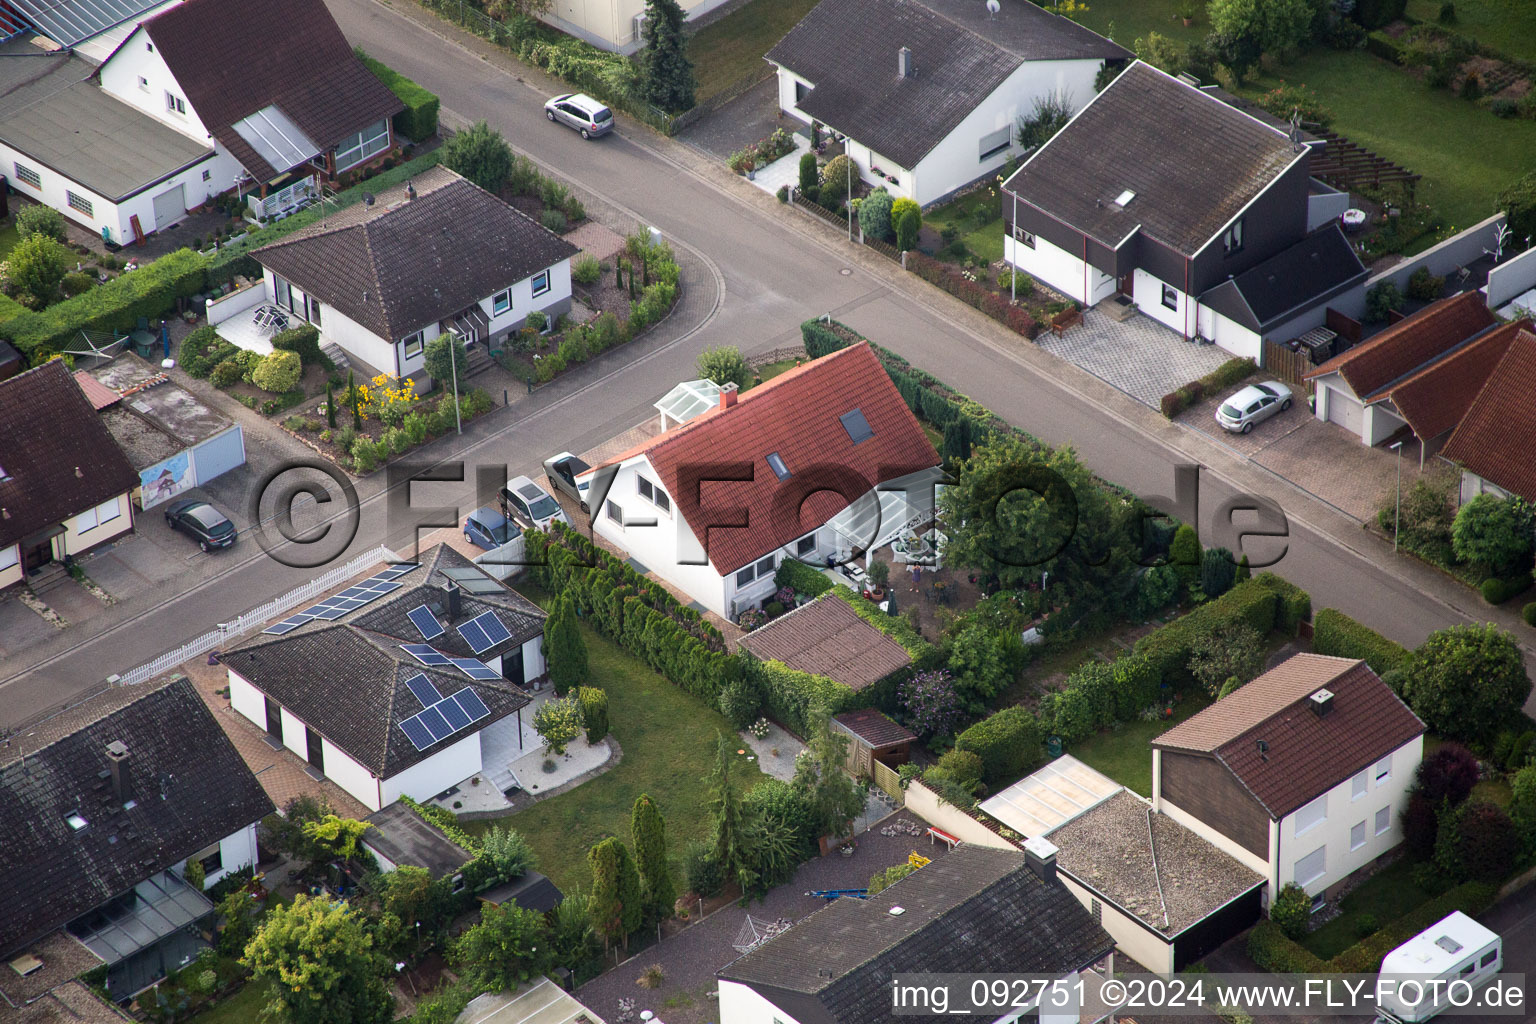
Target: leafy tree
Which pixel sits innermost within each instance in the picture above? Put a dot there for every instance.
(778, 832)
(1464, 681)
(507, 10)
(976, 662)
(321, 965)
(445, 360)
(1489, 841)
(559, 722)
(37, 267)
(1522, 805)
(617, 906)
(239, 913)
(509, 946)
(907, 224)
(564, 649)
(835, 799)
(875, 214)
(1186, 555)
(1159, 587)
(194, 875)
(508, 852)
(931, 703)
(1381, 300)
(1448, 774)
(666, 71)
(409, 895)
(1217, 571)
(40, 220)
(724, 364)
(1243, 30)
(1048, 116)
(648, 833)
(1493, 532)
(1291, 910)
(1420, 824)
(1448, 845)
(481, 155)
(285, 832)
(837, 177)
(1227, 651)
(571, 936)
(726, 813)
(1161, 52)
(335, 837)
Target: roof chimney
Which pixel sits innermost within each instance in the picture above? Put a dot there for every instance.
(1321, 703)
(727, 395)
(122, 781)
(451, 594)
(1040, 855)
(904, 63)
(410, 191)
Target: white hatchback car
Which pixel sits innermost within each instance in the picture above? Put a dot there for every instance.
(1253, 404)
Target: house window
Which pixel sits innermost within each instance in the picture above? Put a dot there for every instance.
(745, 576)
(29, 176)
(776, 463)
(653, 494)
(10, 556)
(1383, 820)
(996, 142)
(1312, 815)
(1383, 769)
(1170, 297)
(615, 513)
(175, 104)
(857, 426)
(1312, 867)
(369, 142)
(214, 862)
(413, 345)
(207, 175)
(79, 203)
(144, 83)
(541, 283)
(108, 511)
(86, 521)
(805, 545)
(501, 302)
(801, 92)
(765, 567)
(1232, 238)
(150, 47)
(1357, 835)
(313, 305)
(1488, 958)
(1097, 910)
(1357, 785)
(1024, 238)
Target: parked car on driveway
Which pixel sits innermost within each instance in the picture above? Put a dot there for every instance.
(528, 504)
(1253, 404)
(202, 522)
(487, 528)
(562, 471)
(581, 112)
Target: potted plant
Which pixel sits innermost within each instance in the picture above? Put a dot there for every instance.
(1187, 11)
(879, 576)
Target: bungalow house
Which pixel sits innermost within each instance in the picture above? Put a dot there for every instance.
(382, 279)
(1493, 442)
(102, 809)
(65, 485)
(714, 505)
(973, 910)
(1418, 374)
(929, 92)
(1197, 213)
(405, 683)
(1301, 775)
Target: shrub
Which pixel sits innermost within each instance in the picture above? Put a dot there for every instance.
(930, 704)
(418, 121)
(875, 215)
(1489, 842)
(960, 766)
(794, 698)
(1376, 13)
(724, 364)
(1008, 743)
(1464, 681)
(1381, 300)
(782, 193)
(1493, 532)
(1503, 107)
(304, 340)
(481, 155)
(1158, 588)
(227, 372)
(972, 293)
(1171, 647)
(1448, 774)
(836, 177)
(1420, 823)
(1497, 591)
(808, 172)
(1273, 950)
(740, 701)
(38, 219)
(1291, 910)
(1424, 286)
(594, 712)
(278, 372)
(1472, 87)
(76, 283)
(801, 578)
(554, 221)
(1528, 613)
(1295, 604)
(701, 870)
(573, 209)
(1185, 555)
(1218, 571)
(1337, 634)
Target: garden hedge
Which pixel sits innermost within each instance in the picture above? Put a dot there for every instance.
(418, 121)
(1219, 379)
(303, 340)
(801, 578)
(1251, 603)
(792, 697)
(923, 654)
(972, 294)
(1295, 605)
(1337, 634)
(1007, 742)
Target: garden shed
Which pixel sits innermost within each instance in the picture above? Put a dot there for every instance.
(874, 737)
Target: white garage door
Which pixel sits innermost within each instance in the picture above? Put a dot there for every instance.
(1346, 411)
(170, 207)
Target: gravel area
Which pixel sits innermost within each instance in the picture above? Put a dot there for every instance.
(775, 752)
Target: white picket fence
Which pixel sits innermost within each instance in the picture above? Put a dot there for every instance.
(227, 631)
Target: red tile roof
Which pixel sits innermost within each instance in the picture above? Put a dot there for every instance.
(1498, 434)
(1410, 343)
(715, 466)
(96, 392)
(874, 728)
(1305, 755)
(1436, 398)
(827, 638)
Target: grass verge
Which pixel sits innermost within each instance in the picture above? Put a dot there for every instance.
(1123, 753)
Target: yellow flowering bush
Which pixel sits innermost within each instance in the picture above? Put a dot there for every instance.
(388, 398)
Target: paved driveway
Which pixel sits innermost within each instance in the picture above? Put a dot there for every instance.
(1139, 356)
(749, 117)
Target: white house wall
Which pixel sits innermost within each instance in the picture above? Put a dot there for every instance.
(1471, 486)
(1152, 951)
(425, 779)
(1229, 334)
(533, 658)
(740, 1004)
(787, 82)
(1062, 270)
(247, 700)
(120, 77)
(557, 299)
(357, 341)
(236, 851)
(350, 774)
(1380, 423)
(1147, 292)
(12, 573)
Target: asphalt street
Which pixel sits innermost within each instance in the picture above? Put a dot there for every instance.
(753, 271)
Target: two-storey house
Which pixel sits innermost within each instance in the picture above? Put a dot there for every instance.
(1301, 774)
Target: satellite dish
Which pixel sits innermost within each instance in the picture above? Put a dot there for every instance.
(993, 7)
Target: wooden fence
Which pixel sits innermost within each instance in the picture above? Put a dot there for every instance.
(887, 779)
(1288, 365)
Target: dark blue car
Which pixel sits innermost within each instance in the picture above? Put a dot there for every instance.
(487, 528)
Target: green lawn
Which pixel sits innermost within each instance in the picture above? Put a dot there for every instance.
(668, 739)
(1123, 753)
(1508, 26)
(8, 237)
(977, 217)
(1386, 896)
(768, 371)
(730, 50)
(240, 1008)
(1126, 20)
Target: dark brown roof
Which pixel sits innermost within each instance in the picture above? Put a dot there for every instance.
(1436, 398)
(1192, 161)
(235, 57)
(1408, 344)
(874, 728)
(827, 638)
(402, 264)
(1498, 434)
(402, 836)
(191, 786)
(1305, 754)
(57, 459)
(1295, 279)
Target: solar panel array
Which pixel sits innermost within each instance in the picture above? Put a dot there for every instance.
(484, 631)
(443, 718)
(426, 623)
(425, 692)
(426, 654)
(474, 581)
(349, 600)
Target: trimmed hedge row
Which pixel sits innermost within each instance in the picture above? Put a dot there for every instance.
(1272, 950)
(1252, 603)
(1224, 376)
(1337, 634)
(972, 294)
(447, 823)
(801, 578)
(418, 121)
(791, 696)
(1008, 743)
(1097, 695)
(1295, 604)
(923, 654)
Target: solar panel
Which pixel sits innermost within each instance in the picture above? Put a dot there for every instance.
(426, 622)
(425, 692)
(286, 626)
(457, 717)
(349, 603)
(474, 635)
(435, 723)
(473, 706)
(328, 612)
(394, 572)
(382, 587)
(426, 654)
(495, 630)
(417, 733)
(351, 592)
(475, 669)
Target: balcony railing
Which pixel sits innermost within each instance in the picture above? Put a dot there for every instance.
(285, 201)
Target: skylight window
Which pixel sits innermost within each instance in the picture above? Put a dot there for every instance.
(75, 820)
(1124, 198)
(857, 426)
(776, 463)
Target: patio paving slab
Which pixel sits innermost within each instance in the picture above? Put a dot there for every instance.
(73, 602)
(1139, 356)
(20, 626)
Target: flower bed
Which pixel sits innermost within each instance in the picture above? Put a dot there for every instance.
(762, 152)
(391, 420)
(969, 291)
